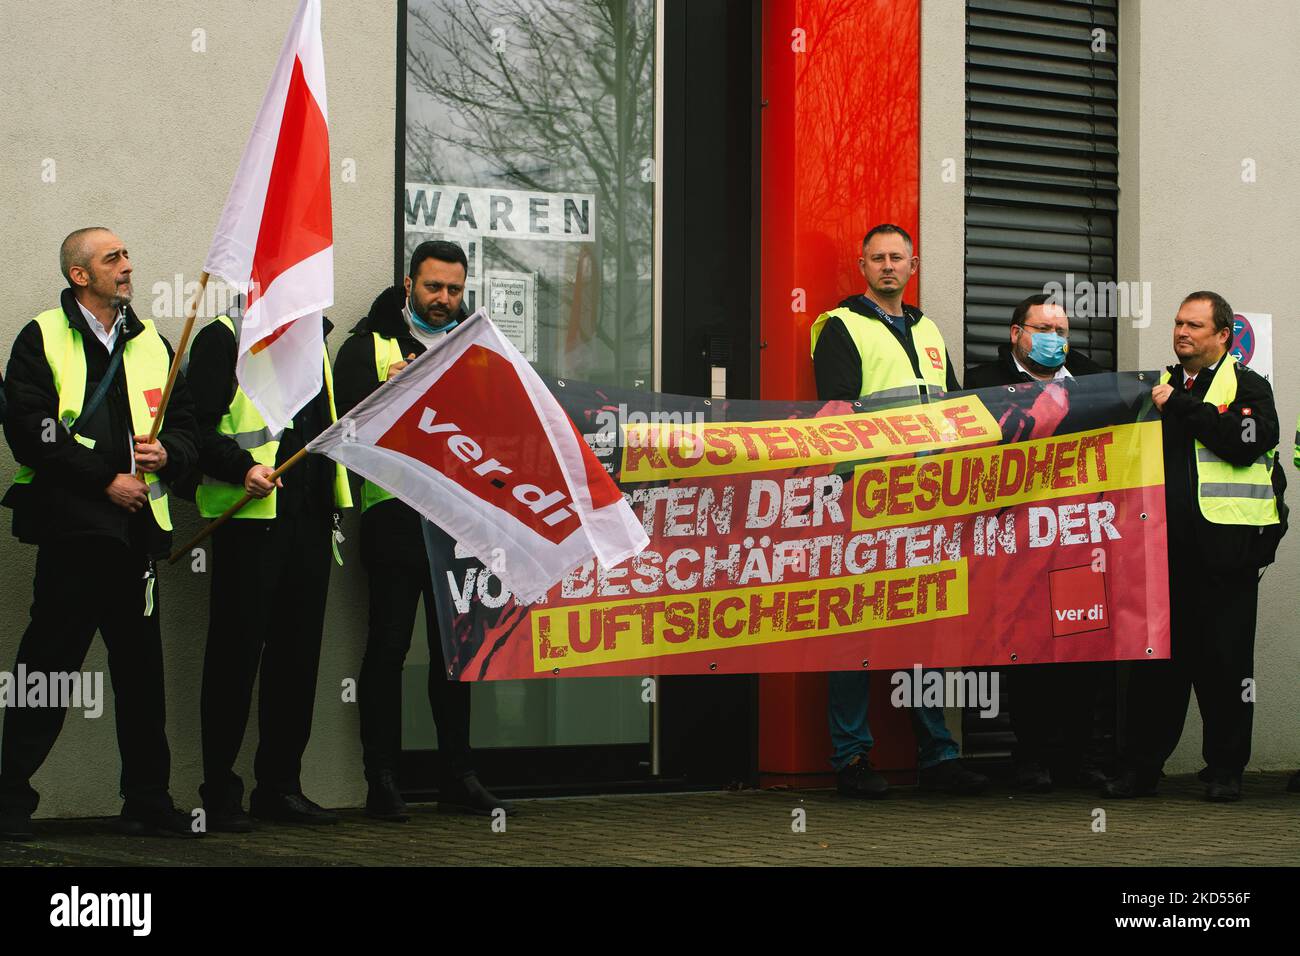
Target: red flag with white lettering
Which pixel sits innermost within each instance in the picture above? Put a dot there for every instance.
(469, 435)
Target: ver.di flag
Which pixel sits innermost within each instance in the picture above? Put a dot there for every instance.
(276, 238)
(470, 436)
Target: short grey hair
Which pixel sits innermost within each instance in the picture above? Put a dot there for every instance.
(75, 250)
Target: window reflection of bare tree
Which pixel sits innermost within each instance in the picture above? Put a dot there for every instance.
(546, 95)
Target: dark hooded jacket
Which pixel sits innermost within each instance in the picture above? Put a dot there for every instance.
(390, 530)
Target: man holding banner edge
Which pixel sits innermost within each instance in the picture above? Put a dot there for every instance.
(1222, 492)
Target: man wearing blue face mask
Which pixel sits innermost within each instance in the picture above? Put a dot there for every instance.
(1039, 349)
(1051, 704)
(403, 322)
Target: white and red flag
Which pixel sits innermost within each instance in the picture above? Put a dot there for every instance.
(276, 236)
(470, 436)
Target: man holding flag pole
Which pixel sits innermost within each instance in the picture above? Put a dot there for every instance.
(86, 423)
(271, 563)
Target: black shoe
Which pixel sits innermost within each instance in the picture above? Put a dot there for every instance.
(1033, 778)
(229, 818)
(466, 795)
(1205, 775)
(384, 801)
(1223, 787)
(1084, 778)
(951, 776)
(289, 808)
(16, 825)
(137, 820)
(1293, 785)
(860, 780)
(1131, 783)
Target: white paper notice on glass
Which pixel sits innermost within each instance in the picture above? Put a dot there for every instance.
(1252, 342)
(512, 306)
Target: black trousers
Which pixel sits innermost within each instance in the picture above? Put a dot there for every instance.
(395, 591)
(1212, 650)
(1052, 712)
(269, 583)
(85, 585)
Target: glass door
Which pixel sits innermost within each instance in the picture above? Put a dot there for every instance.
(529, 139)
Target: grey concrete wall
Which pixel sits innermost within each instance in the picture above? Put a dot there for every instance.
(943, 169)
(943, 172)
(142, 121)
(1203, 98)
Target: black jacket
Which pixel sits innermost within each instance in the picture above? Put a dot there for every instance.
(1004, 371)
(211, 372)
(838, 366)
(1193, 541)
(68, 497)
(390, 531)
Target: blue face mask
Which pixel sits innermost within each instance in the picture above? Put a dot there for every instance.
(428, 329)
(1048, 349)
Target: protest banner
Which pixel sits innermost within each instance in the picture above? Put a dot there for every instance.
(1011, 525)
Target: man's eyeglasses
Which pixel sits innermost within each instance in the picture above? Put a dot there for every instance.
(1063, 333)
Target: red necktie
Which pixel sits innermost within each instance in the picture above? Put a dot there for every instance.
(1187, 382)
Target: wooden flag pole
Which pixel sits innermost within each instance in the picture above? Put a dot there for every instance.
(190, 314)
(233, 509)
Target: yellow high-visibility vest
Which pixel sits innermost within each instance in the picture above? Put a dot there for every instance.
(387, 354)
(1227, 493)
(886, 369)
(245, 424)
(145, 363)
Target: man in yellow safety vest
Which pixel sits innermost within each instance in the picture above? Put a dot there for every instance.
(84, 387)
(403, 322)
(872, 345)
(1221, 432)
(270, 575)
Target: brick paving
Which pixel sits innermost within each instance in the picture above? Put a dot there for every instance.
(749, 827)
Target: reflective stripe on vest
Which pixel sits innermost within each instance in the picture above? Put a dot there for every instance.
(145, 364)
(245, 424)
(387, 354)
(886, 369)
(1227, 493)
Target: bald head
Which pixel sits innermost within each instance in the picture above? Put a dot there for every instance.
(78, 249)
(98, 269)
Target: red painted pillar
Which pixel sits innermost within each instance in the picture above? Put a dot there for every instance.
(840, 153)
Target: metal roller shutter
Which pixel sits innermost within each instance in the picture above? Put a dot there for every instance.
(1041, 162)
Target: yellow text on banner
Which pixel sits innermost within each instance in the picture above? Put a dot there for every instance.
(601, 633)
(985, 479)
(653, 452)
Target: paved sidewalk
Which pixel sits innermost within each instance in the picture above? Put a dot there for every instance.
(747, 828)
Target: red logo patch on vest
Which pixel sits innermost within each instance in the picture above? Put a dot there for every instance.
(153, 398)
(935, 358)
